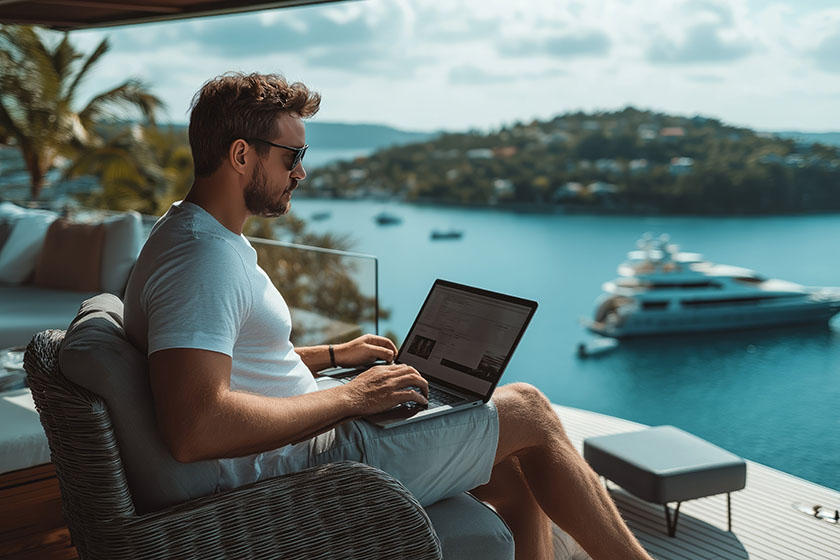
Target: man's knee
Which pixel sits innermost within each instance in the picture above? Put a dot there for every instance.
(526, 400)
(526, 412)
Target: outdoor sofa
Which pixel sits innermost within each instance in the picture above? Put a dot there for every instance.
(49, 265)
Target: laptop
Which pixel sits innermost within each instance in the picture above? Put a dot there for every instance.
(461, 341)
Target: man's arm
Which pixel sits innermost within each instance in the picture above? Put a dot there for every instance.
(201, 418)
(365, 349)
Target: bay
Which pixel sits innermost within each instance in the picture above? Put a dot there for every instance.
(768, 395)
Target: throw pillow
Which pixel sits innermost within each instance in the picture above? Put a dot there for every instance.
(20, 252)
(5, 232)
(9, 211)
(9, 214)
(123, 241)
(71, 257)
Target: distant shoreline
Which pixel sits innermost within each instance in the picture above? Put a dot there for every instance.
(572, 209)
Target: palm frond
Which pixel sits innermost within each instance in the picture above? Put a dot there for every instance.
(103, 47)
(33, 65)
(131, 94)
(63, 57)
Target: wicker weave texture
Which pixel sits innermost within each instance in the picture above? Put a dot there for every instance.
(342, 510)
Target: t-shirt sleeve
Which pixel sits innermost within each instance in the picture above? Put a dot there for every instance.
(198, 297)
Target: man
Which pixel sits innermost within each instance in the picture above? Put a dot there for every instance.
(228, 385)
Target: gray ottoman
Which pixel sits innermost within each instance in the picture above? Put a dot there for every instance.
(665, 464)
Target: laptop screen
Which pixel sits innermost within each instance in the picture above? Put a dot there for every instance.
(465, 336)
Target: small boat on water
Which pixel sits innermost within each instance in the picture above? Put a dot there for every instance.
(596, 347)
(320, 216)
(386, 219)
(661, 290)
(446, 234)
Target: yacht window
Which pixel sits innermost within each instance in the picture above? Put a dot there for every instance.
(734, 301)
(672, 285)
(652, 305)
(749, 279)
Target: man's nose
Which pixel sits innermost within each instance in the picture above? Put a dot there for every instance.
(299, 172)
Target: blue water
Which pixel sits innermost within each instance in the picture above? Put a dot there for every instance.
(768, 395)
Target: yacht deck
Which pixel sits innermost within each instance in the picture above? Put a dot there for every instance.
(764, 522)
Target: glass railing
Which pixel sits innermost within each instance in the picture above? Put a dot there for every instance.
(332, 295)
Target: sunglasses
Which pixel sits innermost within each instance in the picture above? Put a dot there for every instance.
(299, 152)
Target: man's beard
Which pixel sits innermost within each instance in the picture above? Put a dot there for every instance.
(259, 199)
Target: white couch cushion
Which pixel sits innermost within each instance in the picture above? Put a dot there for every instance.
(10, 211)
(123, 241)
(22, 440)
(20, 252)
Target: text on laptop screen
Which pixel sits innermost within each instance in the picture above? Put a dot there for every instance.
(463, 338)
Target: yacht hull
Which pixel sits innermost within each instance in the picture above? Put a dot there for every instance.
(684, 321)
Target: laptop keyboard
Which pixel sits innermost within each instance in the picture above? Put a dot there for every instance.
(437, 397)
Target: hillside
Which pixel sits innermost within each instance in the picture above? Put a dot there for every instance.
(827, 138)
(326, 135)
(626, 161)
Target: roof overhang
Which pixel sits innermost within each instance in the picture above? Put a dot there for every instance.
(66, 15)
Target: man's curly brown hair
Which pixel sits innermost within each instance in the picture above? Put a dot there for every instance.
(236, 105)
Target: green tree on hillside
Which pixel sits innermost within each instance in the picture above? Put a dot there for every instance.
(39, 99)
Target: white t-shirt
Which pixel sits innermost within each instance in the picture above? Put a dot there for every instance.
(197, 284)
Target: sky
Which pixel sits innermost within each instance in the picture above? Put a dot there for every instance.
(428, 65)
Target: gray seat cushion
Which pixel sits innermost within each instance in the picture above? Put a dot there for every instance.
(96, 355)
(26, 310)
(665, 464)
(468, 529)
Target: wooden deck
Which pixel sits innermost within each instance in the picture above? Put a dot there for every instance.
(764, 522)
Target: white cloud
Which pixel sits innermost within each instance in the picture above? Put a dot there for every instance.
(427, 64)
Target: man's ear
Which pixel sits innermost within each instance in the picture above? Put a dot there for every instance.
(238, 154)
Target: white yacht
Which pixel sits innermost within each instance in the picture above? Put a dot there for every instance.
(661, 290)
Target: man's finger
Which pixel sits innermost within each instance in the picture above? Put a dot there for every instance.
(382, 353)
(382, 341)
(406, 396)
(413, 380)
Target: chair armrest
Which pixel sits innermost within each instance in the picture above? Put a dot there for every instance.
(340, 510)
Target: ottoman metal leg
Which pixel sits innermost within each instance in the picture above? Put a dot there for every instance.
(729, 511)
(672, 528)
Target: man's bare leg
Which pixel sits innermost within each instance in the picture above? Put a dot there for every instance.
(509, 494)
(561, 482)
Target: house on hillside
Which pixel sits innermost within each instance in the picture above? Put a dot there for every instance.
(605, 165)
(591, 125)
(600, 188)
(672, 133)
(480, 153)
(647, 132)
(681, 165)
(567, 191)
(639, 165)
(505, 151)
(503, 187)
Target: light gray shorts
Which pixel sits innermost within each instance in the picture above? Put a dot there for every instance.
(434, 458)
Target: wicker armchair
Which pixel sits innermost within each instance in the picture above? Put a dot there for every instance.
(341, 510)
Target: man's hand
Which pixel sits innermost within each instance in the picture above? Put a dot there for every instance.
(383, 387)
(364, 350)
